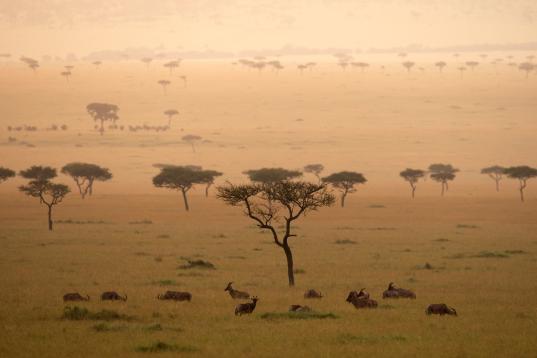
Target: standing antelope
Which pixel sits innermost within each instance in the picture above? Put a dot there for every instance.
(246, 308)
(237, 295)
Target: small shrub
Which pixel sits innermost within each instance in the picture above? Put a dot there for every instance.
(153, 328)
(490, 254)
(105, 327)
(299, 271)
(163, 236)
(200, 264)
(160, 346)
(376, 206)
(165, 283)
(515, 252)
(141, 222)
(467, 226)
(345, 242)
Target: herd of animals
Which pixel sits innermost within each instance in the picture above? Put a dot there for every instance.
(359, 299)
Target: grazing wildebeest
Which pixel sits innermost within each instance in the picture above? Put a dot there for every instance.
(361, 301)
(75, 297)
(441, 309)
(175, 296)
(235, 294)
(112, 296)
(311, 293)
(395, 292)
(246, 308)
(299, 308)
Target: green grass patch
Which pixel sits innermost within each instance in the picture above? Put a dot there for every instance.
(515, 252)
(467, 226)
(345, 242)
(105, 327)
(165, 283)
(80, 313)
(159, 346)
(299, 271)
(297, 315)
(197, 264)
(141, 222)
(491, 254)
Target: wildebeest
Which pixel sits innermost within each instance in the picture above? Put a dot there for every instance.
(235, 294)
(175, 296)
(441, 309)
(246, 308)
(112, 296)
(75, 297)
(361, 299)
(311, 293)
(299, 308)
(395, 292)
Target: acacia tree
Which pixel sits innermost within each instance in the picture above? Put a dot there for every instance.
(171, 65)
(191, 139)
(408, 65)
(5, 174)
(495, 172)
(179, 178)
(97, 64)
(41, 187)
(270, 204)
(66, 74)
(345, 182)
(84, 174)
(103, 112)
(209, 177)
(271, 175)
(170, 113)
(412, 176)
(526, 67)
(147, 61)
(440, 65)
(523, 173)
(314, 169)
(442, 173)
(472, 64)
(164, 84)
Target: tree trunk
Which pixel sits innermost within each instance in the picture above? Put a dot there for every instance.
(50, 217)
(442, 189)
(185, 200)
(343, 199)
(289, 256)
(207, 190)
(522, 187)
(497, 185)
(102, 127)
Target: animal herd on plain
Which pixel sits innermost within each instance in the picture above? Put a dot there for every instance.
(359, 299)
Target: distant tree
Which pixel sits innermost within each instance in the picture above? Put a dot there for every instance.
(269, 204)
(209, 178)
(171, 65)
(461, 69)
(472, 64)
(147, 61)
(97, 64)
(191, 139)
(361, 65)
(66, 74)
(103, 112)
(84, 174)
(5, 174)
(442, 173)
(495, 172)
(408, 65)
(526, 67)
(271, 175)
(170, 113)
(440, 65)
(30, 62)
(523, 174)
(314, 169)
(164, 84)
(39, 173)
(412, 176)
(345, 182)
(179, 178)
(301, 68)
(343, 65)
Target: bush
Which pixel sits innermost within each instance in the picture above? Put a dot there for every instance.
(345, 242)
(160, 346)
(201, 264)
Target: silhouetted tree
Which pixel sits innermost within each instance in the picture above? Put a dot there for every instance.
(412, 176)
(171, 65)
(84, 174)
(269, 204)
(314, 169)
(179, 178)
(209, 178)
(170, 113)
(472, 64)
(30, 62)
(526, 67)
(191, 139)
(408, 65)
(495, 172)
(97, 64)
(103, 112)
(271, 175)
(66, 74)
(164, 84)
(345, 182)
(5, 174)
(523, 173)
(38, 173)
(442, 173)
(147, 61)
(440, 65)
(461, 69)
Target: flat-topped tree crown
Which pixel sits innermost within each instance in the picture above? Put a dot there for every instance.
(192, 139)
(271, 175)
(496, 173)
(442, 173)
(345, 182)
(209, 177)
(170, 113)
(523, 173)
(38, 173)
(85, 174)
(314, 169)
(179, 178)
(6, 173)
(412, 176)
(103, 112)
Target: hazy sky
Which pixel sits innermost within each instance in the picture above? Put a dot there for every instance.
(37, 27)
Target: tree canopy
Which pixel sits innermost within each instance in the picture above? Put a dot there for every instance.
(271, 175)
(103, 112)
(345, 182)
(523, 173)
(442, 173)
(412, 176)
(5, 174)
(496, 173)
(84, 174)
(38, 173)
(179, 178)
(314, 169)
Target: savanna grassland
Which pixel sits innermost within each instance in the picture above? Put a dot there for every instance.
(480, 246)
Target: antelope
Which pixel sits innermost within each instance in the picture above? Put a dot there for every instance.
(236, 295)
(311, 293)
(395, 292)
(75, 297)
(299, 308)
(246, 308)
(441, 309)
(361, 300)
(112, 296)
(176, 296)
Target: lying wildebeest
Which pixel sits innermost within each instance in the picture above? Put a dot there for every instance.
(246, 308)
(112, 296)
(441, 309)
(395, 292)
(311, 293)
(299, 308)
(175, 296)
(361, 299)
(235, 294)
(75, 297)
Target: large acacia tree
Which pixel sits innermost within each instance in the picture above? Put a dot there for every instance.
(345, 182)
(314, 169)
(274, 203)
(209, 178)
(523, 173)
(5, 174)
(180, 178)
(103, 112)
(84, 174)
(412, 176)
(271, 175)
(442, 173)
(496, 173)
